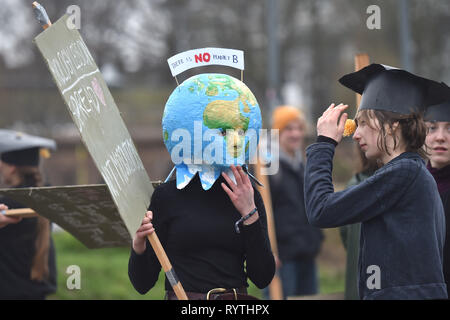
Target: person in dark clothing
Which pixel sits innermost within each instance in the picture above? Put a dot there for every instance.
(401, 215)
(438, 146)
(27, 256)
(196, 229)
(297, 241)
(350, 234)
(210, 221)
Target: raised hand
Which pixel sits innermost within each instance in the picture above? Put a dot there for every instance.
(240, 193)
(146, 228)
(328, 124)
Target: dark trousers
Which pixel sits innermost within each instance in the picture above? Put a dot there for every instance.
(298, 278)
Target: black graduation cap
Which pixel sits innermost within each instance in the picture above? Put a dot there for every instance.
(390, 89)
(22, 149)
(439, 112)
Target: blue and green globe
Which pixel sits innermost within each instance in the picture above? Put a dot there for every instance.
(206, 125)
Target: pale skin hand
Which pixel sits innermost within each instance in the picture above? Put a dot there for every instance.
(241, 193)
(146, 228)
(328, 125)
(4, 220)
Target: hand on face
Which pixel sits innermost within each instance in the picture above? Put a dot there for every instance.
(328, 124)
(241, 192)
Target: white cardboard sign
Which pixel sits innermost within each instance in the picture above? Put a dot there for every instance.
(205, 56)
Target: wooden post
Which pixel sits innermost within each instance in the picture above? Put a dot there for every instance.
(275, 287)
(167, 266)
(361, 61)
(45, 22)
(21, 213)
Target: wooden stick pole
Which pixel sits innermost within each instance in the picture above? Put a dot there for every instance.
(43, 19)
(361, 61)
(167, 267)
(45, 22)
(275, 287)
(21, 213)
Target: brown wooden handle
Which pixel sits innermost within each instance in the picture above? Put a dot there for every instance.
(21, 213)
(167, 266)
(361, 61)
(275, 287)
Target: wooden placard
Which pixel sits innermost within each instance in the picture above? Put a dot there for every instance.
(87, 212)
(102, 129)
(98, 120)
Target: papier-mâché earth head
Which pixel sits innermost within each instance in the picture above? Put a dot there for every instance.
(210, 122)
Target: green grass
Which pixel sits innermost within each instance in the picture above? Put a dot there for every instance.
(331, 282)
(104, 273)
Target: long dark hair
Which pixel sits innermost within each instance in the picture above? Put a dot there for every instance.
(412, 128)
(30, 176)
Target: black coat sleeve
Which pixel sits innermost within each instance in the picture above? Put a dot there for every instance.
(260, 263)
(144, 269)
(446, 268)
(372, 197)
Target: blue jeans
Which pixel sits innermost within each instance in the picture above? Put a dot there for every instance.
(298, 278)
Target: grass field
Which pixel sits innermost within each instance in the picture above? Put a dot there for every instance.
(104, 272)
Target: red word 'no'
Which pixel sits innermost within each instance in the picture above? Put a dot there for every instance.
(205, 57)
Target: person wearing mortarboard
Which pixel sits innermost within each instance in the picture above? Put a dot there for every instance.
(350, 234)
(215, 245)
(437, 119)
(27, 257)
(401, 215)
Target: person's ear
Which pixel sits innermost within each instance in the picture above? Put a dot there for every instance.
(395, 125)
(392, 130)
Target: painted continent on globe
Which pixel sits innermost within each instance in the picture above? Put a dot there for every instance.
(218, 102)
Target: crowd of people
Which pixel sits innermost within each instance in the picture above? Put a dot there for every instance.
(392, 215)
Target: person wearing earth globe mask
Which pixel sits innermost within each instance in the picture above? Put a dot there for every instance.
(210, 219)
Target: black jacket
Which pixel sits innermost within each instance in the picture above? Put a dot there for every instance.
(403, 223)
(446, 202)
(17, 243)
(296, 238)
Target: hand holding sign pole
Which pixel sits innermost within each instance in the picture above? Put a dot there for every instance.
(21, 213)
(101, 127)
